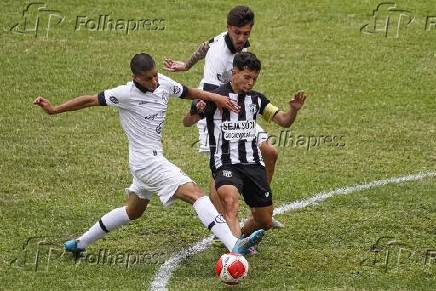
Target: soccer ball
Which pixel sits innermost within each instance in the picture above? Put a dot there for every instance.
(231, 268)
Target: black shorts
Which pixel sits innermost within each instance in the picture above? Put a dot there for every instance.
(250, 180)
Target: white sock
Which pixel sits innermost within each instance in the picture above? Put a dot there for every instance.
(108, 222)
(214, 221)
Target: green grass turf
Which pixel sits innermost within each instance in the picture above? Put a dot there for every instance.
(60, 174)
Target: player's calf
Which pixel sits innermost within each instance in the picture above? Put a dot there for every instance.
(229, 197)
(270, 156)
(189, 192)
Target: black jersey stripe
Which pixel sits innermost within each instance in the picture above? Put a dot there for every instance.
(242, 153)
(225, 147)
(255, 100)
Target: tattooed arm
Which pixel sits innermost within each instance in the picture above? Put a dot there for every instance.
(179, 66)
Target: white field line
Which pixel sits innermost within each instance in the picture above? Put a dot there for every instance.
(162, 277)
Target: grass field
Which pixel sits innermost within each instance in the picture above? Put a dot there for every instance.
(60, 174)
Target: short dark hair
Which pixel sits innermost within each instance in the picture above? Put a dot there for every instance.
(240, 16)
(141, 62)
(247, 60)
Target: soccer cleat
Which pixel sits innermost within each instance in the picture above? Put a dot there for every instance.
(243, 245)
(71, 246)
(277, 224)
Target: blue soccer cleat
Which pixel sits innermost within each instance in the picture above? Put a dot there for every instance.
(71, 246)
(243, 245)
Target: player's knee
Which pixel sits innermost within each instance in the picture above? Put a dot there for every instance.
(135, 212)
(230, 204)
(270, 154)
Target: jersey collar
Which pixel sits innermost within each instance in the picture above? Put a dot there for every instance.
(230, 45)
(142, 88)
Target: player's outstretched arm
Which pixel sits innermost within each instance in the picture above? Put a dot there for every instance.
(70, 105)
(285, 119)
(219, 100)
(180, 66)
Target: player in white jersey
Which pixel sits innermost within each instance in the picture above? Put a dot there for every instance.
(142, 105)
(219, 53)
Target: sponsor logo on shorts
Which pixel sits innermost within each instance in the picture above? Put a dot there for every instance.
(267, 194)
(114, 100)
(227, 174)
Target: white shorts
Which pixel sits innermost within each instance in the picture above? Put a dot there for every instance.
(158, 175)
(262, 136)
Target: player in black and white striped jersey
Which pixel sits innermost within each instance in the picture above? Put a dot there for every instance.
(235, 159)
(219, 53)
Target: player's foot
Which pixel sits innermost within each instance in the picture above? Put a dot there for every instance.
(243, 245)
(277, 224)
(71, 246)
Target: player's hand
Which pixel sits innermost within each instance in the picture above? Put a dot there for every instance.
(174, 66)
(44, 104)
(298, 101)
(200, 106)
(227, 103)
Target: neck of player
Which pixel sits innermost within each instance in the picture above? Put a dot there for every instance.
(236, 89)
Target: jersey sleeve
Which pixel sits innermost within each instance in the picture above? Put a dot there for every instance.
(266, 109)
(117, 97)
(214, 68)
(174, 88)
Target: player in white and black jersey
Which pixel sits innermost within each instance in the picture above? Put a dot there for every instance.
(218, 54)
(142, 105)
(235, 158)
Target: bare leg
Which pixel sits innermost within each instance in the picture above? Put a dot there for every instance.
(270, 156)
(229, 196)
(113, 220)
(261, 219)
